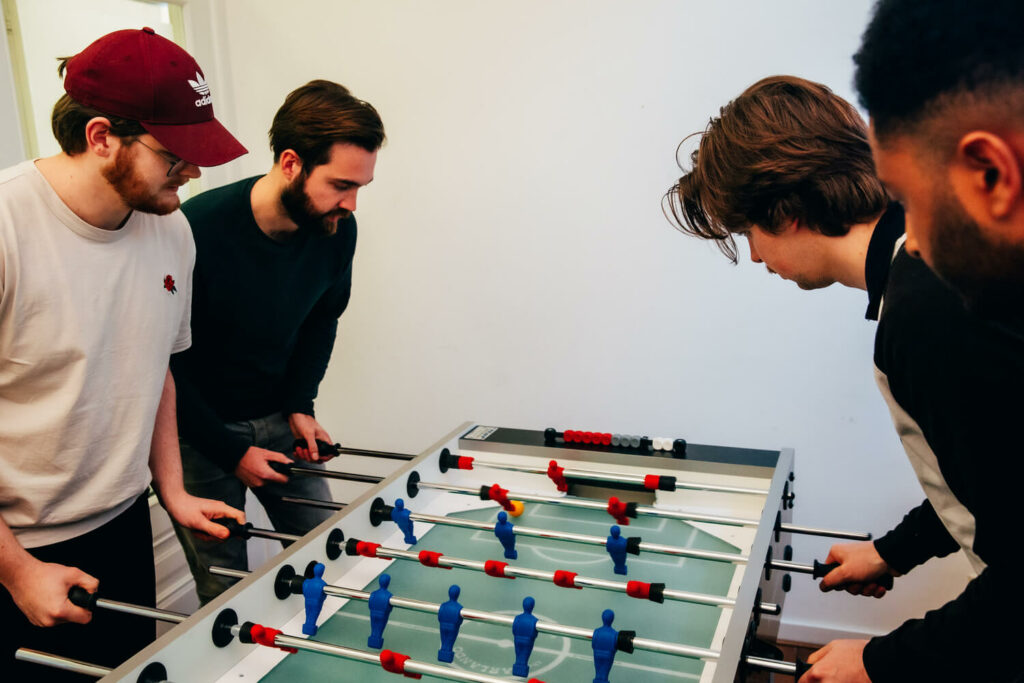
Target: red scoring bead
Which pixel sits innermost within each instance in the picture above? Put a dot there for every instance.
(393, 662)
(606, 439)
(565, 579)
(588, 437)
(428, 558)
(651, 482)
(638, 589)
(569, 436)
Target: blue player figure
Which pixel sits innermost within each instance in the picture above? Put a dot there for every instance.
(380, 610)
(400, 516)
(524, 634)
(450, 619)
(604, 642)
(504, 531)
(313, 592)
(616, 547)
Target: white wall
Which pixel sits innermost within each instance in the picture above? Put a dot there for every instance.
(11, 146)
(514, 266)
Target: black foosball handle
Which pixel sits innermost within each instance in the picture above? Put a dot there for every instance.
(324, 449)
(82, 598)
(820, 569)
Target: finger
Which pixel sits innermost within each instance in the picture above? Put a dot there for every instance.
(854, 588)
(269, 474)
(818, 654)
(86, 581)
(224, 510)
(310, 436)
(209, 530)
(278, 457)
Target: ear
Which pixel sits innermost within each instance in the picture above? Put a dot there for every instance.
(99, 139)
(986, 176)
(290, 163)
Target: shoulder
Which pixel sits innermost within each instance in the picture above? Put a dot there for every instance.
(219, 202)
(16, 182)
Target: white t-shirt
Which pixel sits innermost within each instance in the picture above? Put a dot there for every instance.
(88, 320)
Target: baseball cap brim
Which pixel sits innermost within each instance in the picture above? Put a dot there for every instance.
(206, 143)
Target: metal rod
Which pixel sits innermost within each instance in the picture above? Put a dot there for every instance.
(333, 474)
(613, 476)
(501, 619)
(597, 505)
(776, 665)
(323, 504)
(711, 555)
(810, 531)
(272, 535)
(583, 538)
(387, 455)
(411, 665)
(583, 581)
(23, 654)
(142, 611)
(784, 566)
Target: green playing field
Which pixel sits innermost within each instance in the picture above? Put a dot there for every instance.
(487, 648)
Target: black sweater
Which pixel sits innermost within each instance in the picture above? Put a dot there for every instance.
(957, 379)
(264, 319)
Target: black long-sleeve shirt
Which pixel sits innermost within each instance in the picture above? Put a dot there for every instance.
(954, 385)
(264, 319)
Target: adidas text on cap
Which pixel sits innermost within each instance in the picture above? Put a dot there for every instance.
(144, 77)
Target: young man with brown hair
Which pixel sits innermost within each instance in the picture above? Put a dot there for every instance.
(788, 166)
(95, 266)
(273, 275)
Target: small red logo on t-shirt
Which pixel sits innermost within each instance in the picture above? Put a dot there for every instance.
(169, 284)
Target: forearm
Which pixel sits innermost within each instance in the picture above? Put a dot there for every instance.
(13, 557)
(165, 454)
(919, 537)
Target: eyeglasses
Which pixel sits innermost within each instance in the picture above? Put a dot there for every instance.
(177, 163)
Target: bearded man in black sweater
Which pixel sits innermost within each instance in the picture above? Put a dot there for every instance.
(273, 275)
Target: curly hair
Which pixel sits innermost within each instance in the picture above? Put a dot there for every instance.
(785, 149)
(917, 57)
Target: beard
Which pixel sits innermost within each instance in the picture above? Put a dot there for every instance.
(988, 275)
(300, 209)
(133, 189)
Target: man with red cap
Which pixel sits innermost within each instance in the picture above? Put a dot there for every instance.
(95, 285)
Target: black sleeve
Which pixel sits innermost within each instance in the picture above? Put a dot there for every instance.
(918, 538)
(960, 379)
(312, 351)
(198, 424)
(972, 638)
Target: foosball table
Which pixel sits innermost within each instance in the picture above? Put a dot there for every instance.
(502, 554)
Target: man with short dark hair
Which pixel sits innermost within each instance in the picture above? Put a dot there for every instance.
(95, 272)
(788, 166)
(273, 275)
(943, 82)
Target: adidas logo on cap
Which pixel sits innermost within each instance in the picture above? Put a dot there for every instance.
(200, 86)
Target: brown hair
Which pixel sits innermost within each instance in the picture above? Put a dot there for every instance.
(69, 119)
(319, 115)
(785, 149)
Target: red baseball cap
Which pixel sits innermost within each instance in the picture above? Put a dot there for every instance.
(144, 77)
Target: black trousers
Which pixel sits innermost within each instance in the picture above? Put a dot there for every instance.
(120, 555)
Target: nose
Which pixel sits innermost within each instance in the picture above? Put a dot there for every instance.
(754, 256)
(348, 201)
(911, 245)
(191, 170)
